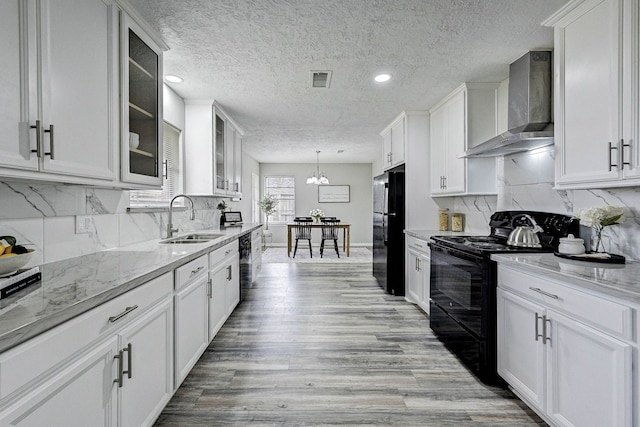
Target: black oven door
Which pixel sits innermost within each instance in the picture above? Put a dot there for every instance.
(458, 287)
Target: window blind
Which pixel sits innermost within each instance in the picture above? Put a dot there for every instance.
(171, 172)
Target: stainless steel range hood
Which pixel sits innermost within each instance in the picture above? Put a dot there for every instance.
(529, 114)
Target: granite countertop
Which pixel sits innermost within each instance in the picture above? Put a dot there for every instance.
(73, 286)
(617, 280)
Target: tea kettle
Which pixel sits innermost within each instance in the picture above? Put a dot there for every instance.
(524, 236)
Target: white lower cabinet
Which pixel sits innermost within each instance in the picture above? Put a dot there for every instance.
(232, 283)
(256, 254)
(217, 301)
(418, 272)
(111, 366)
(573, 368)
(147, 366)
(191, 307)
(192, 333)
(224, 287)
(83, 386)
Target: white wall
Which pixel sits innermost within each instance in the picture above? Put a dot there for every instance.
(173, 108)
(358, 212)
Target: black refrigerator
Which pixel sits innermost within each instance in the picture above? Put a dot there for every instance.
(388, 230)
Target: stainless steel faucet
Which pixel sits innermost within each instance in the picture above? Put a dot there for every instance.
(192, 216)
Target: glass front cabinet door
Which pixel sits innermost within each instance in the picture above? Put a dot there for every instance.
(142, 151)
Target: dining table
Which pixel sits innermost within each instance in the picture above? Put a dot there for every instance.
(346, 236)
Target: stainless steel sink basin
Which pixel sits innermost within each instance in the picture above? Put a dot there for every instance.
(193, 238)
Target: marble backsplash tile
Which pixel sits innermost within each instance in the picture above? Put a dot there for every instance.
(44, 217)
(62, 242)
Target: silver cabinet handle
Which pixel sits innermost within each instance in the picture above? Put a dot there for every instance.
(126, 311)
(622, 162)
(611, 147)
(209, 289)
(540, 291)
(129, 367)
(120, 378)
(38, 128)
(228, 251)
(545, 338)
(229, 273)
(50, 131)
(197, 270)
(537, 330)
(39, 132)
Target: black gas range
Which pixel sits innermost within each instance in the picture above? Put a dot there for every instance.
(463, 284)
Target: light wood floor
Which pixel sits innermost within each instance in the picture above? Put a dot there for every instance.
(322, 344)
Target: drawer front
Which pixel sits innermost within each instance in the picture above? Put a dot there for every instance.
(610, 317)
(191, 271)
(418, 245)
(24, 364)
(219, 255)
(256, 234)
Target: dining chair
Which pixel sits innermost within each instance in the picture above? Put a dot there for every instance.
(329, 232)
(303, 232)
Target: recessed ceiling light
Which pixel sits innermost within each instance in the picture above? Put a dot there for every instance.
(382, 78)
(173, 79)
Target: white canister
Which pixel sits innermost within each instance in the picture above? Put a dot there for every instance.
(571, 245)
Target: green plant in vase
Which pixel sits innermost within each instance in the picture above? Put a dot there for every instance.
(268, 205)
(222, 206)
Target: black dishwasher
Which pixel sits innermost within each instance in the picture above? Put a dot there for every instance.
(244, 243)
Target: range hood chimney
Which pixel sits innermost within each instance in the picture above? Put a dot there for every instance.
(529, 115)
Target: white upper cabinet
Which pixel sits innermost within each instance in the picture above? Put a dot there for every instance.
(596, 85)
(462, 120)
(233, 159)
(212, 164)
(58, 104)
(141, 65)
(393, 142)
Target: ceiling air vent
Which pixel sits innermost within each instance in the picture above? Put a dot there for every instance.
(320, 79)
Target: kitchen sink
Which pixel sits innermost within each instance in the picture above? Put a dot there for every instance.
(193, 238)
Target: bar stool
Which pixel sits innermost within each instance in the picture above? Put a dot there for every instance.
(303, 232)
(329, 232)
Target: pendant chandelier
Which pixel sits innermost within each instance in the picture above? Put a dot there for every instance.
(317, 177)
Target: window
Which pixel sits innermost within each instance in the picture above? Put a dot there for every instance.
(172, 173)
(284, 189)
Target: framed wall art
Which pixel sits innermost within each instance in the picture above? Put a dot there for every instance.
(333, 194)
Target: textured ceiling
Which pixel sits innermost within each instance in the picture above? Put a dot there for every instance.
(255, 56)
